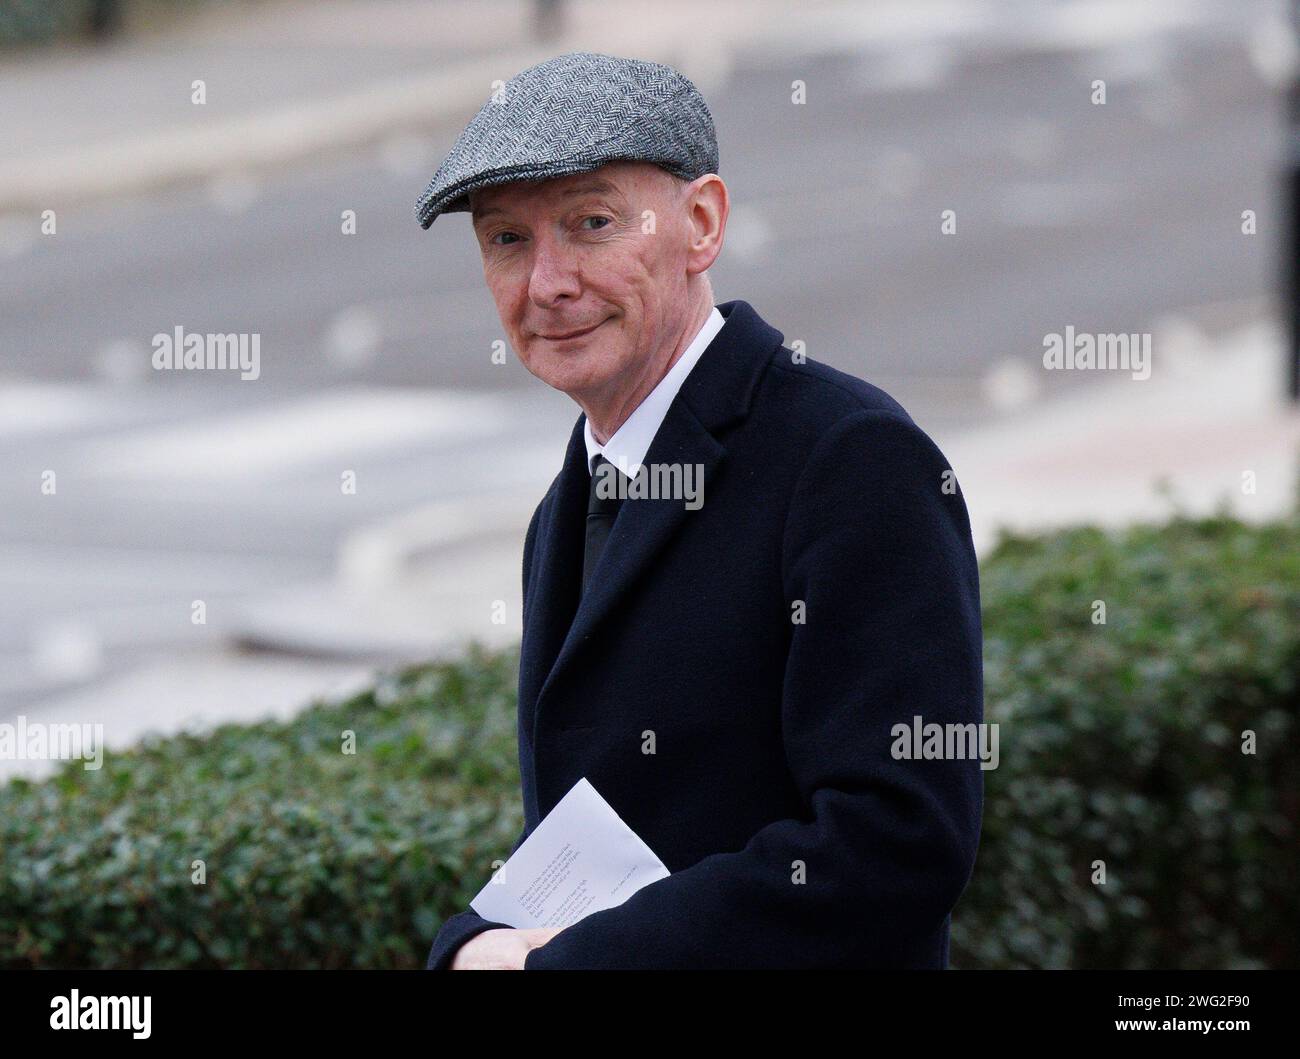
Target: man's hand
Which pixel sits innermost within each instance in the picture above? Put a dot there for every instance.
(500, 949)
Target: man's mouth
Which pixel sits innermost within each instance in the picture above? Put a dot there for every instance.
(567, 335)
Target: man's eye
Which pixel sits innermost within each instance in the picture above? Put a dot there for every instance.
(596, 217)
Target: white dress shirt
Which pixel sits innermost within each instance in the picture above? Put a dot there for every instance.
(628, 445)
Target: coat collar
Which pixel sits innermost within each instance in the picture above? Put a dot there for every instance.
(717, 393)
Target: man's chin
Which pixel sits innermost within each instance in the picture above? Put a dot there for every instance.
(571, 375)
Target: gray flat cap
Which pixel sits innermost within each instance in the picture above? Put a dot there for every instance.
(572, 114)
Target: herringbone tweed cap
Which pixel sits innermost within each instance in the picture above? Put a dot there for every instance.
(572, 114)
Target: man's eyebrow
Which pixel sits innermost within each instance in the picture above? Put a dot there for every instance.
(586, 187)
(594, 186)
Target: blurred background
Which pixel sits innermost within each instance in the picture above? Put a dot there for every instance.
(252, 167)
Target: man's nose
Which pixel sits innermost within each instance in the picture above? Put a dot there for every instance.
(555, 272)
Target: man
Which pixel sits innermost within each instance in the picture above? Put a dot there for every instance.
(727, 667)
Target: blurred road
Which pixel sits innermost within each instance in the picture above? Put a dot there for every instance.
(376, 346)
(1102, 216)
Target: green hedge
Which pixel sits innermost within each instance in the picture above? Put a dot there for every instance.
(314, 858)
(1118, 742)
(1123, 743)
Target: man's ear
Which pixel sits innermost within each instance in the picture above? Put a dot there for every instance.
(709, 207)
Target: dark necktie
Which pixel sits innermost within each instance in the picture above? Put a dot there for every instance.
(601, 512)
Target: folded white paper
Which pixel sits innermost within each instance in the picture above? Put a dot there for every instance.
(580, 859)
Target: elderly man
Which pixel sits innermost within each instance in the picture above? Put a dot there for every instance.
(733, 675)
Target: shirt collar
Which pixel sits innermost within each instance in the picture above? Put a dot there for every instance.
(627, 447)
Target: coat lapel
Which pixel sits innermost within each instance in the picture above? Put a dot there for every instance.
(555, 573)
(714, 395)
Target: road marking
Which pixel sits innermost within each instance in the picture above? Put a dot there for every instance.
(337, 425)
(43, 408)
